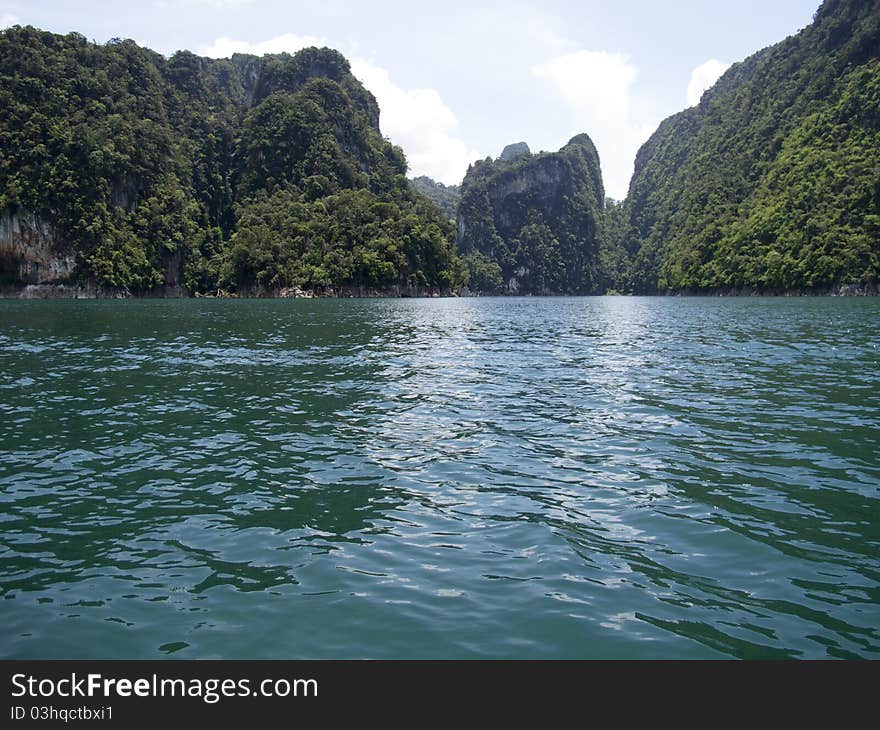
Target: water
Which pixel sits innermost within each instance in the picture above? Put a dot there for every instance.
(537, 478)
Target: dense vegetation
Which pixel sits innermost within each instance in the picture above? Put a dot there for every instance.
(773, 181)
(446, 197)
(532, 223)
(258, 174)
(250, 174)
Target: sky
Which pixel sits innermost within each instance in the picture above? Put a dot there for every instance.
(457, 81)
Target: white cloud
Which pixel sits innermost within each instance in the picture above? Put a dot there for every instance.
(704, 77)
(197, 3)
(289, 42)
(590, 81)
(7, 20)
(421, 123)
(416, 119)
(596, 86)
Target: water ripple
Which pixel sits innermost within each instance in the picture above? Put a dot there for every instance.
(608, 477)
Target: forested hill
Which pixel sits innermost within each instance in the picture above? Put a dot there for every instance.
(532, 224)
(447, 197)
(133, 172)
(771, 183)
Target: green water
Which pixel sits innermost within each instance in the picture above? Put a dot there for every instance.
(536, 478)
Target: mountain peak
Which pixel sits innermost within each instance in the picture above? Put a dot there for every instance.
(513, 151)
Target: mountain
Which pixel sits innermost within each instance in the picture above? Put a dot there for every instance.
(531, 224)
(126, 171)
(771, 183)
(446, 197)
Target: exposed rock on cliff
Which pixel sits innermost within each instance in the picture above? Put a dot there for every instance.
(531, 224)
(28, 254)
(512, 151)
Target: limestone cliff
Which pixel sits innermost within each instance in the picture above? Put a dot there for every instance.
(123, 171)
(531, 224)
(28, 254)
(512, 151)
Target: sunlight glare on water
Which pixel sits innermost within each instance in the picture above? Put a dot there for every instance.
(477, 478)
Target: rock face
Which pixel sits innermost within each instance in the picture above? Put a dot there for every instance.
(36, 264)
(27, 253)
(512, 151)
(531, 224)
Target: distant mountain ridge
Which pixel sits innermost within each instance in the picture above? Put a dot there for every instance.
(446, 197)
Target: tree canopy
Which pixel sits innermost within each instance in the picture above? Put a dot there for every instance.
(772, 182)
(533, 223)
(247, 173)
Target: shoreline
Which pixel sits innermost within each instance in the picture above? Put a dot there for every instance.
(90, 291)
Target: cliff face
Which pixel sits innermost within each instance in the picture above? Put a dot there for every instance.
(770, 183)
(29, 252)
(512, 151)
(152, 171)
(531, 224)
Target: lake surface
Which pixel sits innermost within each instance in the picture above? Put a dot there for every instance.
(479, 478)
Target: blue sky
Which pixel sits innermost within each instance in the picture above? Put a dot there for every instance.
(456, 81)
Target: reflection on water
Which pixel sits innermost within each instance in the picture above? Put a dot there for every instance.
(605, 477)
